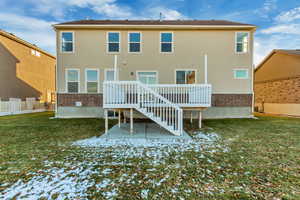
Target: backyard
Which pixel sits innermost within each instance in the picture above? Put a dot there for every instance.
(237, 159)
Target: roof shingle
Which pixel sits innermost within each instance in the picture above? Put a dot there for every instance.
(157, 22)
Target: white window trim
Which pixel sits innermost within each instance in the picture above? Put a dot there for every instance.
(236, 69)
(107, 42)
(66, 80)
(166, 42)
(185, 70)
(105, 71)
(73, 42)
(128, 40)
(35, 53)
(248, 44)
(98, 79)
(137, 77)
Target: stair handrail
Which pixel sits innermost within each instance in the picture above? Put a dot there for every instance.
(158, 95)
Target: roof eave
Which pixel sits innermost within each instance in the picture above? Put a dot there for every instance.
(126, 26)
(24, 42)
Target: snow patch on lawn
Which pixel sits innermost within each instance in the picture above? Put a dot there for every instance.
(61, 183)
(154, 149)
(99, 157)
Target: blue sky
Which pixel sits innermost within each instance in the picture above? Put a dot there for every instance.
(278, 21)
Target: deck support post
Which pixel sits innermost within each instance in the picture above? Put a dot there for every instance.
(200, 119)
(124, 118)
(119, 117)
(106, 120)
(191, 120)
(131, 120)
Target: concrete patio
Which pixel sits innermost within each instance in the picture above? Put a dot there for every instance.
(142, 130)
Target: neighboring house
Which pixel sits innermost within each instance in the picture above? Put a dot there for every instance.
(179, 62)
(277, 83)
(25, 70)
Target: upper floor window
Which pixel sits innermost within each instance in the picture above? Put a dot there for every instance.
(72, 79)
(242, 40)
(147, 77)
(92, 80)
(185, 76)
(67, 42)
(134, 42)
(240, 73)
(35, 53)
(113, 42)
(166, 42)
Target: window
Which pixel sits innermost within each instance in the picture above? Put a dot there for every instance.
(109, 75)
(242, 42)
(147, 77)
(72, 77)
(67, 42)
(166, 42)
(92, 80)
(134, 42)
(35, 53)
(113, 42)
(185, 76)
(240, 73)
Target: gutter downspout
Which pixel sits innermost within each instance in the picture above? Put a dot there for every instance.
(115, 67)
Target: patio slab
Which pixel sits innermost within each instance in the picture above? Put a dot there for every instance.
(142, 131)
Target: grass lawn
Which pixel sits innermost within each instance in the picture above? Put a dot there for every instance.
(251, 159)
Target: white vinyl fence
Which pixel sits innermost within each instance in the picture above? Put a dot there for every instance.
(17, 106)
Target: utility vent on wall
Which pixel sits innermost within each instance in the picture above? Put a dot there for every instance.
(78, 103)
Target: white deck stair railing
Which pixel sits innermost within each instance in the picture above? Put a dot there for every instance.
(133, 94)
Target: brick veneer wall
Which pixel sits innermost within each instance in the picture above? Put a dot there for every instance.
(218, 100)
(92, 100)
(278, 91)
(231, 100)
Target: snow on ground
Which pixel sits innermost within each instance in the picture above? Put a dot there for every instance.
(57, 182)
(76, 177)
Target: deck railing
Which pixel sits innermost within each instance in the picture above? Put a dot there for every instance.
(185, 95)
(123, 94)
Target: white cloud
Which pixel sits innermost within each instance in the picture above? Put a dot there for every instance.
(283, 34)
(264, 44)
(289, 16)
(269, 5)
(59, 8)
(167, 13)
(283, 29)
(112, 10)
(33, 30)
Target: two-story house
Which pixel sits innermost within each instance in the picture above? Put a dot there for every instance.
(160, 68)
(25, 70)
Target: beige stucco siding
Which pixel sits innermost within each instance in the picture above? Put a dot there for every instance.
(189, 49)
(22, 74)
